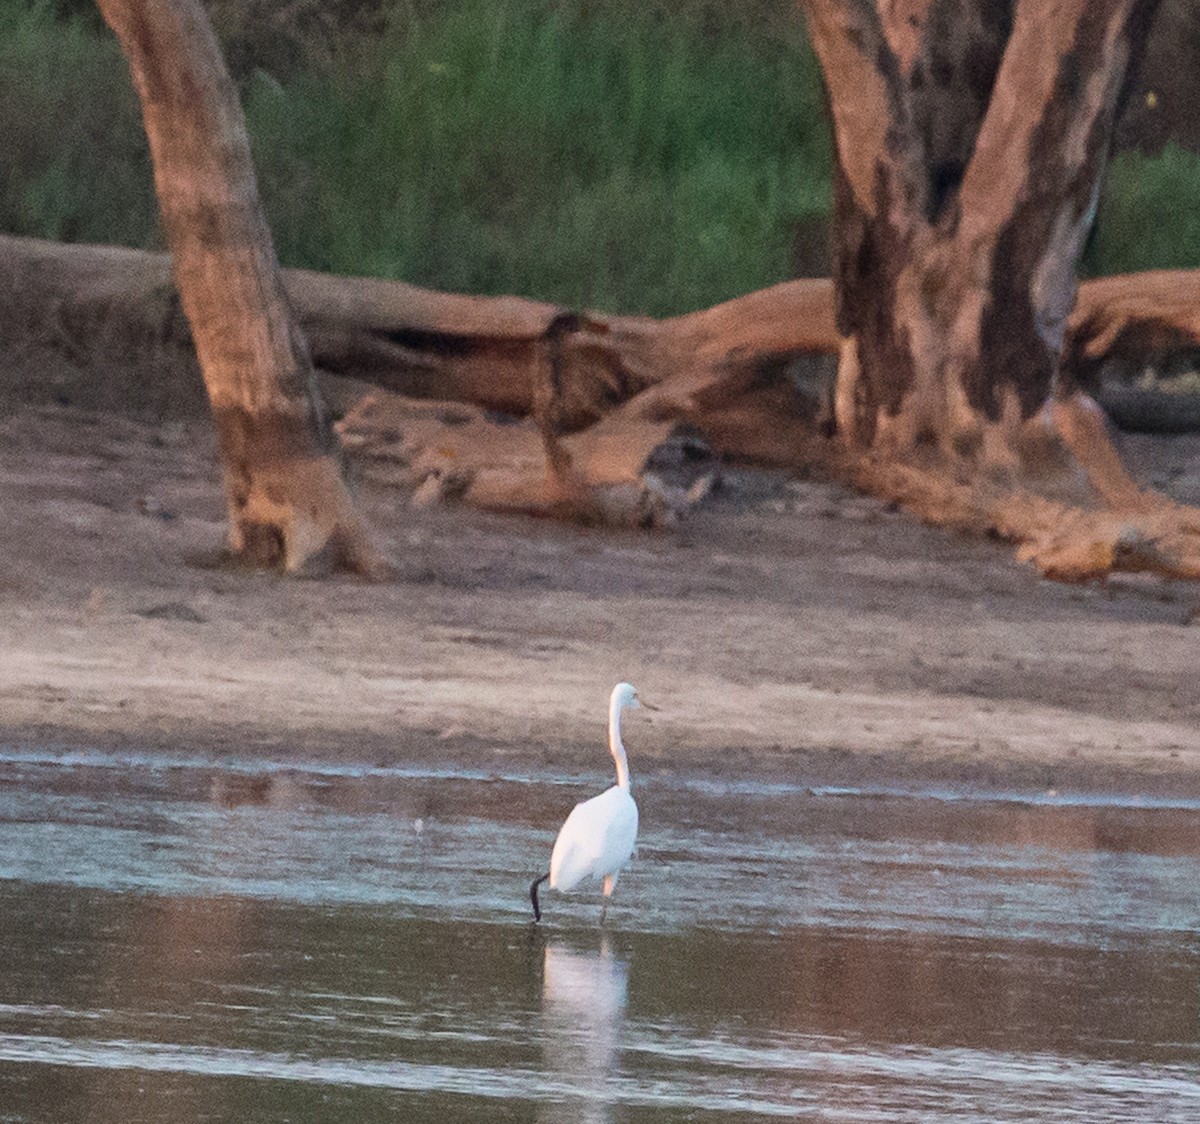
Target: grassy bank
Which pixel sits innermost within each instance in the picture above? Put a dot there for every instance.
(1149, 216)
(651, 156)
(596, 155)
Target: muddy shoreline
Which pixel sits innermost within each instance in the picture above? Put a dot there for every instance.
(869, 774)
(790, 629)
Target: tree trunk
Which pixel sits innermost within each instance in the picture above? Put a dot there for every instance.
(288, 505)
(971, 139)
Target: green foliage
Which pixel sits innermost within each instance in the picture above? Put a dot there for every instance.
(73, 165)
(611, 159)
(1149, 216)
(635, 156)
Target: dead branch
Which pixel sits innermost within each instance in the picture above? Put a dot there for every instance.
(608, 395)
(447, 347)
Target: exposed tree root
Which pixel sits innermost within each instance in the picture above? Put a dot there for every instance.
(301, 519)
(1065, 541)
(1071, 544)
(1071, 531)
(1081, 425)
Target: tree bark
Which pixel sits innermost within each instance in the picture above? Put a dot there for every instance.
(971, 138)
(288, 505)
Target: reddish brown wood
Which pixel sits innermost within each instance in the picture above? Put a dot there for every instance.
(971, 137)
(287, 503)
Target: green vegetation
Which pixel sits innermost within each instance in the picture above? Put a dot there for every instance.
(611, 159)
(73, 165)
(634, 155)
(1149, 216)
(599, 155)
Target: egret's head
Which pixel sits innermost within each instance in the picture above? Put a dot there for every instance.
(625, 694)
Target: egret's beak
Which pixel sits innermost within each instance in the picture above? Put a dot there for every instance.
(648, 706)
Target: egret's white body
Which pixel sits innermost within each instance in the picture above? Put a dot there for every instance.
(599, 835)
(596, 841)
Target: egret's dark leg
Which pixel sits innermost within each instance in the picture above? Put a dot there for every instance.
(533, 895)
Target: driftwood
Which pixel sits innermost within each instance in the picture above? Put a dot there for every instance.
(734, 375)
(481, 350)
(638, 386)
(497, 353)
(632, 474)
(1133, 318)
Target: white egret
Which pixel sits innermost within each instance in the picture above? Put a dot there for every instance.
(597, 839)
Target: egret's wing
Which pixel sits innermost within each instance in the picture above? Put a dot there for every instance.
(578, 846)
(619, 836)
(596, 839)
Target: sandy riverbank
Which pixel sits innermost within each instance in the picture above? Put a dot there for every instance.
(789, 628)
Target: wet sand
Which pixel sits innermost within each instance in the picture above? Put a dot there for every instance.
(789, 629)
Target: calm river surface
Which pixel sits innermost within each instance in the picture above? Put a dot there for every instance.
(187, 941)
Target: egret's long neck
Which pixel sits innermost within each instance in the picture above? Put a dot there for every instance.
(614, 743)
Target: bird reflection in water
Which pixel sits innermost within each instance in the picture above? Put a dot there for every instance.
(583, 1010)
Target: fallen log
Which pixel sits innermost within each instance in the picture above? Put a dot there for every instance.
(444, 346)
(1133, 318)
(490, 352)
(610, 396)
(426, 344)
(731, 372)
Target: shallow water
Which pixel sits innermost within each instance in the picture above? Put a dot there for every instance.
(188, 941)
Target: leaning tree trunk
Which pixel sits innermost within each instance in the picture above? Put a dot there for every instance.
(288, 505)
(971, 140)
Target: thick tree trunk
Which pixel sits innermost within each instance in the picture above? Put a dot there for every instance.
(288, 505)
(971, 139)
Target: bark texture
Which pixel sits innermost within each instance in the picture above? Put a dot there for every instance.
(971, 137)
(288, 505)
